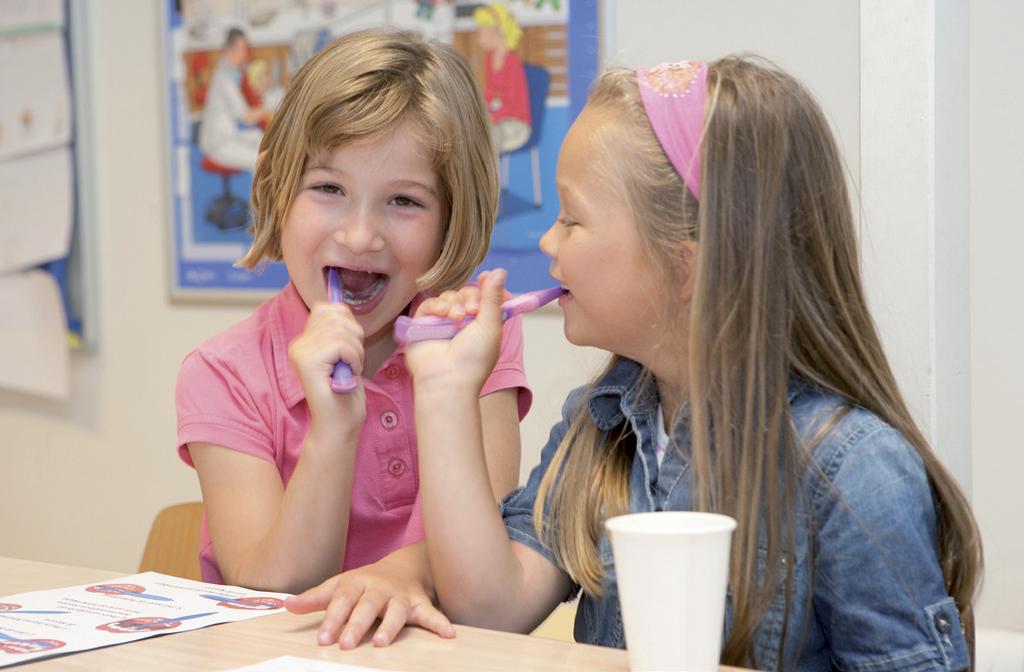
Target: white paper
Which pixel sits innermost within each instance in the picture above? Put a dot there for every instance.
(35, 103)
(23, 15)
(35, 209)
(52, 622)
(297, 664)
(33, 341)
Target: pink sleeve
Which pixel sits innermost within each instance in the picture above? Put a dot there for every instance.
(509, 371)
(216, 406)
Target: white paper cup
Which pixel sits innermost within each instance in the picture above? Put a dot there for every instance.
(672, 569)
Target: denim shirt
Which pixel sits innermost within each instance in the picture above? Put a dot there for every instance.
(878, 598)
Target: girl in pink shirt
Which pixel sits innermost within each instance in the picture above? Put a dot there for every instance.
(379, 164)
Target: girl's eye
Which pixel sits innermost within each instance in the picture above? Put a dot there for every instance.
(328, 188)
(404, 201)
(566, 222)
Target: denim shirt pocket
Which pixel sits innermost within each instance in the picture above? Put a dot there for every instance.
(946, 631)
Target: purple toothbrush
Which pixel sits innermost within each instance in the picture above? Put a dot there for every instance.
(427, 328)
(342, 379)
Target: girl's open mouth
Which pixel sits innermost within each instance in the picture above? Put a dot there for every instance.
(361, 290)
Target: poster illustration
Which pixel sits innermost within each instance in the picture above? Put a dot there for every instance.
(230, 61)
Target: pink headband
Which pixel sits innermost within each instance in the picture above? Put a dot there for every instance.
(673, 95)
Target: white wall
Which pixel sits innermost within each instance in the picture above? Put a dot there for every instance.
(82, 480)
(996, 173)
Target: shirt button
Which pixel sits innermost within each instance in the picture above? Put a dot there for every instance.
(388, 419)
(942, 624)
(396, 467)
(392, 372)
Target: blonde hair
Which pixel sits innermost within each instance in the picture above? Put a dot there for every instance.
(365, 85)
(497, 15)
(778, 293)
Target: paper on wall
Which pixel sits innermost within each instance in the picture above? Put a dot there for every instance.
(63, 620)
(35, 209)
(33, 340)
(24, 15)
(35, 104)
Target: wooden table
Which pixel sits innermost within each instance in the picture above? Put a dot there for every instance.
(231, 645)
(242, 643)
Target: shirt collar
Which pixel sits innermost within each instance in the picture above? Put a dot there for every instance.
(624, 391)
(288, 317)
(619, 392)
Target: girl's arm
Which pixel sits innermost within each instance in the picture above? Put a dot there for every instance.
(398, 589)
(499, 414)
(272, 537)
(269, 537)
(879, 592)
(481, 577)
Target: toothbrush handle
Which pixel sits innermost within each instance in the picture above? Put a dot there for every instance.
(430, 328)
(342, 379)
(410, 330)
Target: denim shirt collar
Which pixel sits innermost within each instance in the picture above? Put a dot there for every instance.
(619, 395)
(622, 393)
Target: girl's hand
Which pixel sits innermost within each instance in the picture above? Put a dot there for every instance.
(355, 599)
(469, 357)
(331, 333)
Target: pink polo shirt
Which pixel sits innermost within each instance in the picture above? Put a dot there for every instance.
(239, 390)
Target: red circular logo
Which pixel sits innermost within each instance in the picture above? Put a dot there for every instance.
(140, 624)
(30, 645)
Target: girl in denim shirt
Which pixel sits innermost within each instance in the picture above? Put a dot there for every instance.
(706, 239)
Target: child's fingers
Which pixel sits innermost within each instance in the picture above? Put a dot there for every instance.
(334, 316)
(396, 616)
(314, 599)
(345, 597)
(480, 279)
(370, 604)
(456, 312)
(331, 334)
(492, 288)
(470, 297)
(429, 617)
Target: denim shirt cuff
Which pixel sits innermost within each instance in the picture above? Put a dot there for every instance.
(944, 649)
(947, 632)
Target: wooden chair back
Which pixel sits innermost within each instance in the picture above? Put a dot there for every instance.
(173, 543)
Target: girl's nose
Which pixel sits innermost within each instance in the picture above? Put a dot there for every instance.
(360, 233)
(549, 241)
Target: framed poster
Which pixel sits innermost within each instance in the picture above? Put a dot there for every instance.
(247, 52)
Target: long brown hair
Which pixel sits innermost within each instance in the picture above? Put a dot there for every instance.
(778, 293)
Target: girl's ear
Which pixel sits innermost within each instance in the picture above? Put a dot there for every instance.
(686, 269)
